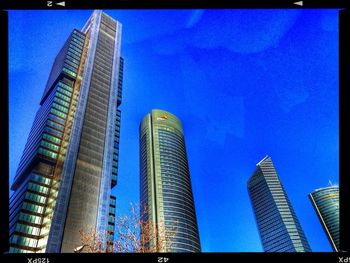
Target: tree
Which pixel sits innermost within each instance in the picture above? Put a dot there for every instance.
(134, 232)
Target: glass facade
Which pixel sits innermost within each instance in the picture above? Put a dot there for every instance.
(64, 178)
(165, 187)
(326, 204)
(279, 227)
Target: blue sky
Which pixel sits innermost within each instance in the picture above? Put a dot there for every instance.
(244, 83)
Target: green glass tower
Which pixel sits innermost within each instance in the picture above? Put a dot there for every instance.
(165, 184)
(326, 204)
(69, 164)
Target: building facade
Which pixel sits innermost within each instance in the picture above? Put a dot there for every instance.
(326, 204)
(69, 164)
(165, 184)
(279, 227)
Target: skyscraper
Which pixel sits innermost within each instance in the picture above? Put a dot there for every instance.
(165, 188)
(279, 227)
(69, 164)
(326, 204)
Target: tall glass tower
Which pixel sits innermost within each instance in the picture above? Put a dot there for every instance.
(165, 188)
(326, 204)
(279, 227)
(69, 164)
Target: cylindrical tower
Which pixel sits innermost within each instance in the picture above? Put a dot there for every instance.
(165, 187)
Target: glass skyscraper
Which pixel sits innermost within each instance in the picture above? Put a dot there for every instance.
(279, 227)
(326, 204)
(165, 188)
(69, 164)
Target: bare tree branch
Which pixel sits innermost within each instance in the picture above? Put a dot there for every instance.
(134, 232)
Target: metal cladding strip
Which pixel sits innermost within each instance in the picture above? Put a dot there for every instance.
(106, 176)
(60, 214)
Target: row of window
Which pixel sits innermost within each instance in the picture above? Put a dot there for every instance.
(116, 145)
(18, 250)
(71, 54)
(53, 132)
(78, 40)
(69, 65)
(56, 119)
(51, 138)
(183, 247)
(41, 179)
(72, 62)
(55, 125)
(114, 177)
(33, 208)
(64, 97)
(38, 188)
(73, 49)
(112, 210)
(59, 107)
(68, 82)
(29, 218)
(49, 145)
(24, 241)
(173, 149)
(110, 228)
(169, 204)
(30, 230)
(76, 45)
(111, 219)
(69, 72)
(170, 163)
(79, 35)
(47, 153)
(58, 113)
(35, 197)
(62, 102)
(112, 201)
(182, 227)
(64, 91)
